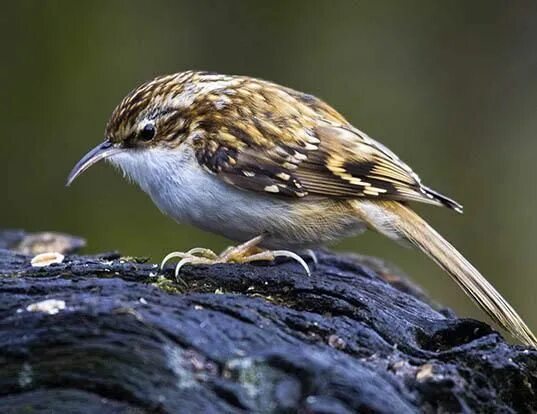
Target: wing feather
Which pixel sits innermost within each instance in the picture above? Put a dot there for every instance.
(307, 150)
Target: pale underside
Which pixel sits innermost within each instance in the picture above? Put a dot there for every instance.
(182, 189)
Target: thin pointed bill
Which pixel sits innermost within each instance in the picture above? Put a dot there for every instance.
(100, 152)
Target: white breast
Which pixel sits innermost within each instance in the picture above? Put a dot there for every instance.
(181, 188)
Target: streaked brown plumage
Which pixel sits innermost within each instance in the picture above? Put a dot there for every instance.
(263, 137)
(279, 164)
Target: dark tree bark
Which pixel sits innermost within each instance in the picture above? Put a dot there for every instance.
(117, 337)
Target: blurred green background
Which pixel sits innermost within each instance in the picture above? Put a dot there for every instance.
(449, 86)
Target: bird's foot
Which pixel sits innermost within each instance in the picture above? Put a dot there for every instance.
(243, 253)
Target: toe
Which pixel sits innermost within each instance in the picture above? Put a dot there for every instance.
(270, 255)
(203, 252)
(191, 260)
(172, 255)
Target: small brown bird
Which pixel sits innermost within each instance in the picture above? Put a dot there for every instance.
(271, 167)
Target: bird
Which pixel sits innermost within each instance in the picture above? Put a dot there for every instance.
(277, 171)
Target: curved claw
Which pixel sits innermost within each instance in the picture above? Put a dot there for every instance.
(291, 255)
(313, 256)
(172, 256)
(181, 263)
(191, 260)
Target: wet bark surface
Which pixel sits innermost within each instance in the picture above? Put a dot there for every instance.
(110, 334)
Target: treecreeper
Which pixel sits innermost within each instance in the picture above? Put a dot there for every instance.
(276, 170)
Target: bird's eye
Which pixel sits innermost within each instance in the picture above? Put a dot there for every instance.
(148, 132)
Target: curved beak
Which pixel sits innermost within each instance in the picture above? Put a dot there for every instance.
(101, 151)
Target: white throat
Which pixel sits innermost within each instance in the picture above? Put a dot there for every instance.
(155, 169)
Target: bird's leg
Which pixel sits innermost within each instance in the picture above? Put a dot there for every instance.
(243, 253)
(243, 250)
(249, 252)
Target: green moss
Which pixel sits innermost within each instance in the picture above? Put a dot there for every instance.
(168, 285)
(10, 275)
(135, 259)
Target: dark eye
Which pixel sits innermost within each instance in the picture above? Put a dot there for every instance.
(148, 132)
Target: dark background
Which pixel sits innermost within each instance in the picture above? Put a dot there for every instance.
(449, 86)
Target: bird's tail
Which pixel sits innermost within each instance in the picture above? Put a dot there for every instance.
(397, 221)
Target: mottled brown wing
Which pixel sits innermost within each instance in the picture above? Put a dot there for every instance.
(349, 163)
(251, 166)
(327, 160)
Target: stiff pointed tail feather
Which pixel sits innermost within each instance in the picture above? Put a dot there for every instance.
(399, 222)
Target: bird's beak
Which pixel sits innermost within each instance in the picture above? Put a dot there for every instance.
(101, 151)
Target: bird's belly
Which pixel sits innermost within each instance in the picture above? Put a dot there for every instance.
(189, 194)
(240, 215)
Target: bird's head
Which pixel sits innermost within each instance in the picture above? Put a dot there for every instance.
(157, 115)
